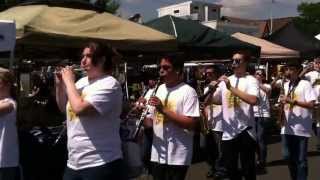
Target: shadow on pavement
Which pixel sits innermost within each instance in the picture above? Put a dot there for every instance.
(279, 162)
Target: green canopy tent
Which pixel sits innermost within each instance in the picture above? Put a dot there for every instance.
(54, 28)
(201, 40)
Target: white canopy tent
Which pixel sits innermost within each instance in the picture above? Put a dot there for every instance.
(8, 38)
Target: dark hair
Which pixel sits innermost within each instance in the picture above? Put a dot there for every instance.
(177, 61)
(216, 69)
(245, 54)
(8, 78)
(101, 54)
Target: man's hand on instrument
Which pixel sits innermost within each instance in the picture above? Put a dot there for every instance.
(156, 102)
(141, 103)
(68, 75)
(226, 81)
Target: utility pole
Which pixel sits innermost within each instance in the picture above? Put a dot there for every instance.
(271, 17)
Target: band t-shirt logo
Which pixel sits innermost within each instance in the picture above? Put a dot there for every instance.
(169, 105)
(70, 113)
(299, 119)
(294, 97)
(232, 100)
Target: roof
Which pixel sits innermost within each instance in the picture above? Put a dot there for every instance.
(263, 25)
(268, 50)
(307, 45)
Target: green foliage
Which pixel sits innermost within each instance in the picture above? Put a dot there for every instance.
(309, 19)
(110, 6)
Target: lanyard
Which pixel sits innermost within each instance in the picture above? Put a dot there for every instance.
(292, 87)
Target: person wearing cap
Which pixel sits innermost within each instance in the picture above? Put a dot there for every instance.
(238, 94)
(9, 158)
(313, 76)
(298, 101)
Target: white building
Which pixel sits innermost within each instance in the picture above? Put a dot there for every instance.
(195, 10)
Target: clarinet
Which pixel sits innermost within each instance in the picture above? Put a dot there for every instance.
(281, 117)
(144, 113)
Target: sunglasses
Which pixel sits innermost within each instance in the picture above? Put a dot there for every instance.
(165, 67)
(236, 61)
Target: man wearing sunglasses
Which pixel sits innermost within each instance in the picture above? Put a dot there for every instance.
(237, 94)
(177, 109)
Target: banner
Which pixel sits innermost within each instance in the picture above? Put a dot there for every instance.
(7, 35)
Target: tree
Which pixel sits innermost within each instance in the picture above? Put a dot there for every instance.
(309, 19)
(110, 6)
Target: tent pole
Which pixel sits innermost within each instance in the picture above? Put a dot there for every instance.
(11, 59)
(126, 80)
(267, 70)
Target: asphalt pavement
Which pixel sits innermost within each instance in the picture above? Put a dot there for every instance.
(276, 167)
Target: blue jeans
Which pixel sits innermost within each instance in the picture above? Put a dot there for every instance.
(297, 149)
(285, 153)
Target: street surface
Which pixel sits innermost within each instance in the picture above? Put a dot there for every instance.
(276, 168)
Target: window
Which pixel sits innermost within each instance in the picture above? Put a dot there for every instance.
(214, 10)
(196, 8)
(176, 11)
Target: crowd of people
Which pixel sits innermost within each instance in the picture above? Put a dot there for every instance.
(235, 109)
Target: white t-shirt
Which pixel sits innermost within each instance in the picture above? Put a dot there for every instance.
(312, 77)
(9, 148)
(263, 108)
(94, 140)
(172, 144)
(237, 114)
(299, 119)
(214, 114)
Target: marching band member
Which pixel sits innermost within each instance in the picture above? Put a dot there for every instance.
(298, 102)
(213, 113)
(93, 105)
(9, 148)
(262, 115)
(313, 76)
(237, 94)
(177, 109)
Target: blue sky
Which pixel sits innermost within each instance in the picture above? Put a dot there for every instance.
(254, 9)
